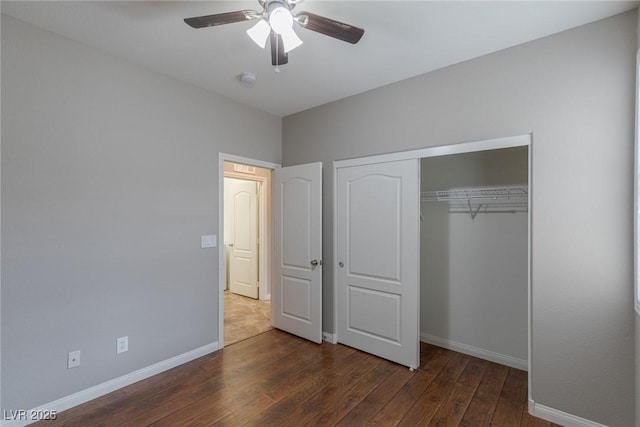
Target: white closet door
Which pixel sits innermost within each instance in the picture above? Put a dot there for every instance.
(296, 294)
(378, 259)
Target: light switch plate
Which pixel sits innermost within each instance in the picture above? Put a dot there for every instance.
(209, 241)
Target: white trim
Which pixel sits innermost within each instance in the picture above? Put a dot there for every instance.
(636, 188)
(96, 391)
(481, 353)
(329, 337)
(335, 251)
(559, 417)
(223, 157)
(442, 150)
(265, 240)
(530, 269)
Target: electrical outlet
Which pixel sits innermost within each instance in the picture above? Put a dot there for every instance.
(122, 345)
(73, 359)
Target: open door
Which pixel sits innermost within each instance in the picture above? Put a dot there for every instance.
(296, 294)
(243, 246)
(378, 258)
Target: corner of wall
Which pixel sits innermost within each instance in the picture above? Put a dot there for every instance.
(637, 184)
(637, 219)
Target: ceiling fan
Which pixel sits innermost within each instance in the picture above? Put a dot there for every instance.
(275, 23)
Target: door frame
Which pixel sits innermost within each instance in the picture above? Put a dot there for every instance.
(223, 157)
(443, 150)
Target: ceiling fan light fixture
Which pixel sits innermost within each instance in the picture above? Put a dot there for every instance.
(281, 20)
(290, 40)
(259, 33)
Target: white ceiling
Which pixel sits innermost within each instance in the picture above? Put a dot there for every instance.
(402, 39)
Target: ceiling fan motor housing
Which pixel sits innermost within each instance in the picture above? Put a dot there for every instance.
(272, 4)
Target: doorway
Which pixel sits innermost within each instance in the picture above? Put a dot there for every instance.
(246, 294)
(296, 218)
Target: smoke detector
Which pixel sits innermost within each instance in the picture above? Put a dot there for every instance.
(248, 79)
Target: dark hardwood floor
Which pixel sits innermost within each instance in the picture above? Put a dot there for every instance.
(275, 379)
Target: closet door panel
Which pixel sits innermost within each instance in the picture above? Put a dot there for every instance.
(378, 259)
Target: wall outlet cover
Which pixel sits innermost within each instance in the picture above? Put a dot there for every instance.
(122, 345)
(73, 359)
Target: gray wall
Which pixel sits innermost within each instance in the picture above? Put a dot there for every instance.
(637, 328)
(109, 177)
(473, 271)
(637, 254)
(575, 92)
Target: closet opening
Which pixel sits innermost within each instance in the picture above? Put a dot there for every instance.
(474, 254)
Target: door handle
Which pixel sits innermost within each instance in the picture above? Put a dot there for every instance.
(315, 263)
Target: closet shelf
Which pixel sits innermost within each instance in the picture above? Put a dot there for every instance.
(482, 199)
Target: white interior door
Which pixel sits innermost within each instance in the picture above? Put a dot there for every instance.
(243, 239)
(378, 257)
(296, 293)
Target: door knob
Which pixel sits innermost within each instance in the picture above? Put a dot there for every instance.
(314, 263)
(341, 264)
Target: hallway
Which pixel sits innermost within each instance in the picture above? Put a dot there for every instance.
(244, 317)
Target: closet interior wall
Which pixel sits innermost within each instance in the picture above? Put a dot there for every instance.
(474, 268)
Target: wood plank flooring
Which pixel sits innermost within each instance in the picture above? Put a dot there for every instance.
(276, 379)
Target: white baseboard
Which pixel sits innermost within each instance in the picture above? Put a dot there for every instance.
(559, 417)
(329, 337)
(94, 392)
(265, 297)
(475, 351)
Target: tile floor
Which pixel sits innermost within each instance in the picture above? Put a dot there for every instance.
(244, 317)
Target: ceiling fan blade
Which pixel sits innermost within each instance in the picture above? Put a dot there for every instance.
(278, 56)
(221, 18)
(331, 28)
